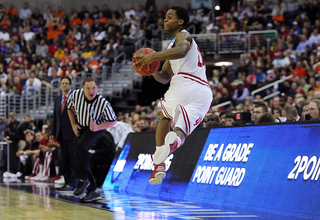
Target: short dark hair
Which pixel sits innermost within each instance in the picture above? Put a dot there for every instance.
(65, 77)
(89, 79)
(224, 112)
(315, 100)
(266, 118)
(28, 131)
(262, 105)
(182, 13)
(230, 115)
(279, 109)
(291, 110)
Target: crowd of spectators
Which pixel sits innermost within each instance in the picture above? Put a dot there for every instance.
(55, 43)
(36, 47)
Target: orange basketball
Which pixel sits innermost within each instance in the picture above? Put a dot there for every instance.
(153, 67)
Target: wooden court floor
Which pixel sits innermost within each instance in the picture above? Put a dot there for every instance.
(18, 204)
(37, 200)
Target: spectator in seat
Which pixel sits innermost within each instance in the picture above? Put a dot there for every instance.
(4, 35)
(5, 22)
(28, 34)
(314, 109)
(276, 112)
(11, 128)
(28, 150)
(291, 113)
(229, 119)
(260, 76)
(258, 109)
(59, 54)
(222, 118)
(143, 125)
(53, 47)
(103, 20)
(94, 66)
(87, 21)
(25, 12)
(60, 12)
(75, 20)
(266, 118)
(240, 94)
(303, 43)
(211, 120)
(23, 127)
(36, 15)
(42, 49)
(53, 30)
(12, 12)
(36, 82)
(106, 11)
(17, 86)
(299, 70)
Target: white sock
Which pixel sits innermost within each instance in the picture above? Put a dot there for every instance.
(57, 170)
(40, 169)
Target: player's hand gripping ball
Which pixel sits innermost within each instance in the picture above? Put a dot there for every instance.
(153, 67)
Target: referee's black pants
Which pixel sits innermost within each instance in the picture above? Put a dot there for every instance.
(81, 146)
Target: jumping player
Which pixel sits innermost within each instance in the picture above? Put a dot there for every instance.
(188, 98)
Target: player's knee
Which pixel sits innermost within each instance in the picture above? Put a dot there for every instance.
(181, 134)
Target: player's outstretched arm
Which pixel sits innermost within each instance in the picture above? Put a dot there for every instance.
(181, 48)
(164, 76)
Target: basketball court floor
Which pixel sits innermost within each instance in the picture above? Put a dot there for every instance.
(36, 200)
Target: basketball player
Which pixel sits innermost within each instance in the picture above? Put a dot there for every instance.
(188, 98)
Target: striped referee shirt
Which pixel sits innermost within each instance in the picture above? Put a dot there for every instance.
(98, 109)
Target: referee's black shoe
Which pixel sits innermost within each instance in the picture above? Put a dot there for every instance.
(81, 187)
(91, 196)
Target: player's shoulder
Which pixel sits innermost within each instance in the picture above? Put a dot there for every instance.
(184, 35)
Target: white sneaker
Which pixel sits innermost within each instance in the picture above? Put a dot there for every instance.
(60, 181)
(43, 178)
(6, 174)
(19, 174)
(37, 177)
(170, 145)
(28, 177)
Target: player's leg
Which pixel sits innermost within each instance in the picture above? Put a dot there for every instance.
(173, 139)
(162, 130)
(159, 170)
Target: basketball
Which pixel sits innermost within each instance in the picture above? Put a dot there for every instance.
(153, 67)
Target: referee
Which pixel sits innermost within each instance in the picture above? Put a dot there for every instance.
(90, 114)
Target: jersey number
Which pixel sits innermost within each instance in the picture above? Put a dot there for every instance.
(200, 59)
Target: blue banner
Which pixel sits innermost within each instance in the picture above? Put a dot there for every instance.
(273, 168)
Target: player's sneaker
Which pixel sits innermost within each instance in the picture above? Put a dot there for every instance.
(60, 181)
(28, 177)
(37, 177)
(52, 179)
(170, 145)
(158, 174)
(44, 178)
(7, 174)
